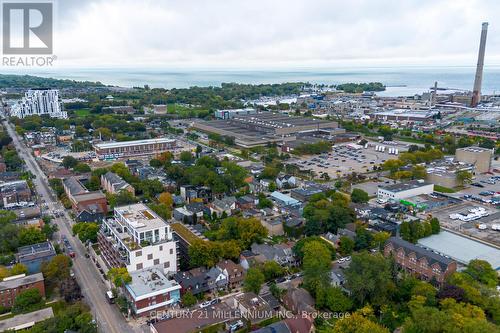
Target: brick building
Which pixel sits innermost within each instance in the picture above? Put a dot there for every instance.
(12, 286)
(425, 264)
(150, 290)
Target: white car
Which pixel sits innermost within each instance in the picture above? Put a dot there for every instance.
(205, 304)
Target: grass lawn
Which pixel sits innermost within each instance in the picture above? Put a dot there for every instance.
(82, 112)
(442, 189)
(184, 111)
(411, 140)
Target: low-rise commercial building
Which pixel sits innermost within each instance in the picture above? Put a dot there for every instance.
(88, 206)
(151, 290)
(400, 191)
(33, 256)
(15, 194)
(137, 238)
(113, 150)
(26, 320)
(12, 286)
(231, 113)
(478, 156)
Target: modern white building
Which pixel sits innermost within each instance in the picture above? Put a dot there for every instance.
(400, 191)
(138, 238)
(39, 102)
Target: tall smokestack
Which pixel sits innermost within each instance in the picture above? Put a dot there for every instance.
(476, 93)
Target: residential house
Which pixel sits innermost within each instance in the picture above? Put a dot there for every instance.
(425, 264)
(201, 280)
(281, 253)
(220, 207)
(298, 301)
(190, 192)
(252, 307)
(190, 213)
(233, 272)
(114, 184)
(286, 181)
(246, 202)
(278, 327)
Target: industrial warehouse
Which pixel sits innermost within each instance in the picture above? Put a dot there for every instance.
(263, 128)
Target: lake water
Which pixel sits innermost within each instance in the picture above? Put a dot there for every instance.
(399, 80)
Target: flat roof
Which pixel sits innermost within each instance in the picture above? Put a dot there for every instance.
(400, 187)
(20, 281)
(461, 248)
(141, 217)
(150, 280)
(107, 145)
(475, 149)
(26, 320)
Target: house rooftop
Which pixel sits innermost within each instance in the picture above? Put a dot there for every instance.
(25, 320)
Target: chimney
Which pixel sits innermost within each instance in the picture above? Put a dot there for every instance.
(476, 93)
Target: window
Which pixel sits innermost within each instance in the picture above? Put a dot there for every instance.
(138, 253)
(150, 256)
(156, 262)
(161, 247)
(166, 264)
(171, 251)
(138, 266)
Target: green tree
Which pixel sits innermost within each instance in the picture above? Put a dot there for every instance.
(333, 299)
(27, 301)
(86, 231)
(253, 280)
(379, 239)
(272, 270)
(119, 276)
(357, 323)
(69, 162)
(188, 299)
(56, 270)
(82, 167)
(316, 265)
(369, 278)
(18, 269)
(31, 235)
(359, 196)
(186, 156)
(346, 245)
(481, 270)
(463, 177)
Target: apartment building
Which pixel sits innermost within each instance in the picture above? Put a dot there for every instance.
(113, 150)
(39, 102)
(15, 194)
(12, 286)
(137, 238)
(425, 264)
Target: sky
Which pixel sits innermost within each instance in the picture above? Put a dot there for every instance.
(273, 33)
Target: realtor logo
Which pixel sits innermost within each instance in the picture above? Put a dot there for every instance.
(27, 27)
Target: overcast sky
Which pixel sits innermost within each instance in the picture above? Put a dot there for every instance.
(274, 33)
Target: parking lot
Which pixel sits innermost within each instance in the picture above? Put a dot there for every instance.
(471, 228)
(345, 159)
(485, 188)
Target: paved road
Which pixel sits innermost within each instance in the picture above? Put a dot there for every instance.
(107, 316)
